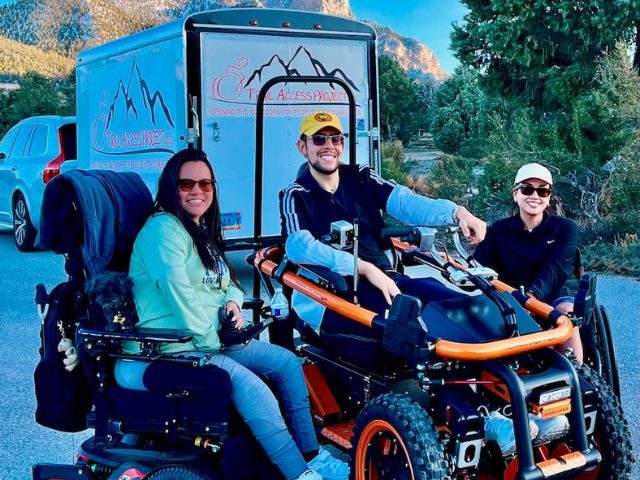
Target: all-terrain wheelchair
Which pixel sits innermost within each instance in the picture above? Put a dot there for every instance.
(183, 426)
(407, 400)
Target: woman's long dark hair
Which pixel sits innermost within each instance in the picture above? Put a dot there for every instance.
(207, 237)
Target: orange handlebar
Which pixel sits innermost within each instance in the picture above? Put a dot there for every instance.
(508, 346)
(443, 348)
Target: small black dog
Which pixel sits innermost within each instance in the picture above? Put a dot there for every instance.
(111, 294)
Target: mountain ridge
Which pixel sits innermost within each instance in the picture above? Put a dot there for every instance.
(61, 28)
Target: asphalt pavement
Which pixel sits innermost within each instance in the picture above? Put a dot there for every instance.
(23, 442)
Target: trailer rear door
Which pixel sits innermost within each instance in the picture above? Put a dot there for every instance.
(234, 66)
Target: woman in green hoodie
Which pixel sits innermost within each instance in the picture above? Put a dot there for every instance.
(181, 279)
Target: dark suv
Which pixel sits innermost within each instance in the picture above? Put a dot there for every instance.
(31, 154)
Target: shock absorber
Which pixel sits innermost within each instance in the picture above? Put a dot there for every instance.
(101, 470)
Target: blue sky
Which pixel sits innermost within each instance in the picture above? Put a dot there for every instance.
(426, 20)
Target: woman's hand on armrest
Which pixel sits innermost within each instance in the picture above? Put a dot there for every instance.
(233, 308)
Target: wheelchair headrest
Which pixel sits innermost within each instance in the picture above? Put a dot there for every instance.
(98, 212)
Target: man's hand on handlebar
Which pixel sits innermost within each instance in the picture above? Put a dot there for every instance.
(472, 227)
(378, 279)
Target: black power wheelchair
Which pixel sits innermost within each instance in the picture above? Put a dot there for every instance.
(183, 427)
(405, 401)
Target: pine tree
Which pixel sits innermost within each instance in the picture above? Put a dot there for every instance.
(543, 51)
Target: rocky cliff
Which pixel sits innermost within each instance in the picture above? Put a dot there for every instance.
(64, 27)
(412, 55)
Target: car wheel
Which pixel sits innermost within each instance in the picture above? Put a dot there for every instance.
(24, 233)
(395, 438)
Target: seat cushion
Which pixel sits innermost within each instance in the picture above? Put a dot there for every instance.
(364, 351)
(194, 399)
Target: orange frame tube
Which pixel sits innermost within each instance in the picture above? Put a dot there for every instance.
(443, 348)
(311, 290)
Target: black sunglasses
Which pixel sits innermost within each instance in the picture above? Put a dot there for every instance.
(320, 139)
(186, 184)
(543, 192)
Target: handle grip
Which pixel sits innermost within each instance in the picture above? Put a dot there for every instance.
(398, 232)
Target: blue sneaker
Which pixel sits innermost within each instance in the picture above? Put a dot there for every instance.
(309, 475)
(329, 466)
(499, 428)
(550, 428)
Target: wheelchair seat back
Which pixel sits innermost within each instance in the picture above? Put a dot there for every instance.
(93, 217)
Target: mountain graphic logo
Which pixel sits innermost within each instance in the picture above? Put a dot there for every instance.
(134, 119)
(289, 70)
(140, 87)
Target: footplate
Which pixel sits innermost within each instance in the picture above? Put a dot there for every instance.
(555, 466)
(575, 462)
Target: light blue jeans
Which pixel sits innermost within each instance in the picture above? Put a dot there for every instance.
(255, 401)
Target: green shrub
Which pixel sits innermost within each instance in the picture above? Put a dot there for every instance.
(393, 151)
(621, 257)
(394, 164)
(452, 178)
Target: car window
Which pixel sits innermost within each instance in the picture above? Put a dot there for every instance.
(39, 140)
(7, 141)
(19, 145)
(68, 133)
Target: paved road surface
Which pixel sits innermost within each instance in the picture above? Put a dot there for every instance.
(23, 442)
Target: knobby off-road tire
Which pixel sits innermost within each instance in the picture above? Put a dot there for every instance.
(395, 438)
(612, 435)
(176, 472)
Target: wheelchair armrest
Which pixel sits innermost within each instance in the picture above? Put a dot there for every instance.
(324, 277)
(405, 335)
(164, 335)
(252, 303)
(97, 341)
(585, 299)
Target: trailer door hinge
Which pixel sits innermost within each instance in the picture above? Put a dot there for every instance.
(192, 133)
(192, 136)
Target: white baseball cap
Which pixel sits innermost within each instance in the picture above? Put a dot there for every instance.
(533, 170)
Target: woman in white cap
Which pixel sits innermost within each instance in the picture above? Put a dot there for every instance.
(534, 249)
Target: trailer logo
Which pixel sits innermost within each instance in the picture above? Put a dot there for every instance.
(132, 119)
(241, 87)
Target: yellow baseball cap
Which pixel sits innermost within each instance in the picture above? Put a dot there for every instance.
(314, 122)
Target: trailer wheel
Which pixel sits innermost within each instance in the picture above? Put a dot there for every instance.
(176, 472)
(612, 436)
(395, 438)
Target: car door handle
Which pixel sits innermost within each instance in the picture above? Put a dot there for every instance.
(14, 169)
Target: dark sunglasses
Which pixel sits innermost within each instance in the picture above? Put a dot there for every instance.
(186, 184)
(543, 192)
(320, 139)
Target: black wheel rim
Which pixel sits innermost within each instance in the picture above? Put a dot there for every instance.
(386, 456)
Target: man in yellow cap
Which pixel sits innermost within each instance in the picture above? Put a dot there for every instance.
(329, 191)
